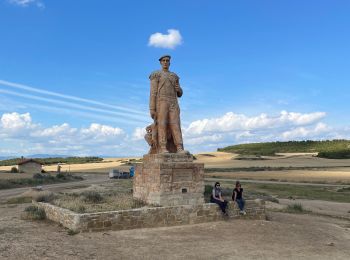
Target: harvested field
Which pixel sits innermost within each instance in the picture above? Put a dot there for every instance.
(340, 176)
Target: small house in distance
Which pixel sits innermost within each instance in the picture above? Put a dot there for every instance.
(29, 166)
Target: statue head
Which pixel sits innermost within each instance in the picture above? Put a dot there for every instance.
(165, 61)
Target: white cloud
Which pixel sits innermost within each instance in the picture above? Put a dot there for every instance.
(167, 41)
(204, 139)
(15, 120)
(231, 128)
(56, 130)
(14, 124)
(139, 133)
(25, 3)
(21, 135)
(306, 132)
(238, 122)
(100, 133)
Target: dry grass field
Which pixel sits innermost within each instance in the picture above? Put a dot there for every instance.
(6, 175)
(289, 167)
(295, 167)
(341, 176)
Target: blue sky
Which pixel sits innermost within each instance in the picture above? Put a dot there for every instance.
(74, 74)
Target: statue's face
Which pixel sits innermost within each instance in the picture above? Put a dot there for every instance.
(165, 62)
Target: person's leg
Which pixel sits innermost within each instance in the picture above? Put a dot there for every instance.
(240, 204)
(223, 205)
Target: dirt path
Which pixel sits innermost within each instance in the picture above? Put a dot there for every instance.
(284, 237)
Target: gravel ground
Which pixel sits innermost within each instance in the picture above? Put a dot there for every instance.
(284, 236)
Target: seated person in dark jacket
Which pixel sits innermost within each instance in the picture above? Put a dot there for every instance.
(237, 196)
(217, 198)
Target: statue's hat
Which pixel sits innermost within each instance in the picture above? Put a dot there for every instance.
(164, 57)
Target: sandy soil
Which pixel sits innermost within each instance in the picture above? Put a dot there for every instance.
(107, 163)
(284, 237)
(337, 209)
(227, 160)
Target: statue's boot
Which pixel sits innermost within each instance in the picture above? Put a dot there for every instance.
(163, 149)
(180, 149)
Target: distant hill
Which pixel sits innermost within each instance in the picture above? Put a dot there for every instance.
(333, 149)
(48, 156)
(55, 160)
(6, 157)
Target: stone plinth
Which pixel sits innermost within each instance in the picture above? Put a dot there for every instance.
(149, 217)
(169, 180)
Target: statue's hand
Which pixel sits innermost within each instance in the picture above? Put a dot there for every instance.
(153, 114)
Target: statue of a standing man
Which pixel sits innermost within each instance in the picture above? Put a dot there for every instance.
(165, 135)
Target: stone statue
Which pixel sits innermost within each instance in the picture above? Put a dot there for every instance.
(164, 135)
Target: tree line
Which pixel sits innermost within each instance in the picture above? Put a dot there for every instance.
(334, 149)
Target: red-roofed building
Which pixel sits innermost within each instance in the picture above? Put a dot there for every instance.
(29, 166)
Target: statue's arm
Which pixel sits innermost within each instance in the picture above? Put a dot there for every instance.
(153, 95)
(179, 91)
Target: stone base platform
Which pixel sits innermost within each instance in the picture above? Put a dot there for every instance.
(169, 179)
(149, 217)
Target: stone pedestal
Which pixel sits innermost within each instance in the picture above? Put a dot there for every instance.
(169, 180)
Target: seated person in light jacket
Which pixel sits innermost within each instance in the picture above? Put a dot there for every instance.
(217, 198)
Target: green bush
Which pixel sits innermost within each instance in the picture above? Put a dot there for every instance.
(34, 213)
(295, 208)
(336, 149)
(340, 154)
(91, 197)
(14, 170)
(38, 176)
(45, 196)
(60, 176)
(71, 232)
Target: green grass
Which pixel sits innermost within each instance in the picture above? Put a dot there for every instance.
(71, 232)
(38, 179)
(34, 213)
(335, 149)
(265, 168)
(19, 200)
(259, 190)
(295, 208)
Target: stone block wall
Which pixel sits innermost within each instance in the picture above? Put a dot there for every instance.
(149, 217)
(169, 180)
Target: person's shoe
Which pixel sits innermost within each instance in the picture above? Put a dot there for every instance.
(243, 212)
